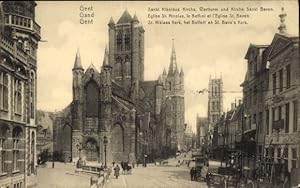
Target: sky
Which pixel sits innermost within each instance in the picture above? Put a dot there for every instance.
(202, 50)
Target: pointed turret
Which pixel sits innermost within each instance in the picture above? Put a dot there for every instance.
(135, 19)
(173, 63)
(164, 72)
(105, 59)
(77, 64)
(160, 79)
(282, 27)
(181, 72)
(111, 22)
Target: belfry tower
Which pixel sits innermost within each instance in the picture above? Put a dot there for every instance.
(174, 89)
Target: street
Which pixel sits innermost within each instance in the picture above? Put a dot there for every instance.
(61, 176)
(64, 176)
(156, 176)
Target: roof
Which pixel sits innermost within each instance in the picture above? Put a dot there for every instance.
(251, 46)
(119, 91)
(149, 87)
(125, 18)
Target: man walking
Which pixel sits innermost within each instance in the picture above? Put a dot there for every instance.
(117, 171)
(192, 173)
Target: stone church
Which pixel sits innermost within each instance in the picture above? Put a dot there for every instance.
(137, 117)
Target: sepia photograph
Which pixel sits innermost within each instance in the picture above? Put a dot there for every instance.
(149, 94)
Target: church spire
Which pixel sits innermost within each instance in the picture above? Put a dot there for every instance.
(77, 64)
(173, 63)
(282, 27)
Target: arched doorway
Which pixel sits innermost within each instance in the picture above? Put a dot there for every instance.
(91, 150)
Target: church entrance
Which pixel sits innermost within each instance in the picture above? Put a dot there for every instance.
(91, 150)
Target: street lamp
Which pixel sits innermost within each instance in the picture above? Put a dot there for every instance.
(105, 144)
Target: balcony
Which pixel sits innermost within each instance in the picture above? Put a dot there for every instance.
(9, 46)
(23, 22)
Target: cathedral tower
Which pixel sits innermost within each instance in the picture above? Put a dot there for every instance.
(126, 52)
(215, 101)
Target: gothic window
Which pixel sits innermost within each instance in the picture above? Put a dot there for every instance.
(3, 91)
(119, 41)
(117, 138)
(127, 40)
(213, 105)
(216, 91)
(18, 97)
(170, 86)
(32, 94)
(91, 99)
(3, 143)
(17, 134)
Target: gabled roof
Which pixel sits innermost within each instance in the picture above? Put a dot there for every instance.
(280, 42)
(92, 67)
(125, 18)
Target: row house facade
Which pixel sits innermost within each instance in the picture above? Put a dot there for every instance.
(255, 86)
(19, 37)
(271, 92)
(282, 123)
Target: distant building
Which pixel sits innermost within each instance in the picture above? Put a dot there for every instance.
(215, 108)
(188, 134)
(44, 131)
(19, 37)
(201, 131)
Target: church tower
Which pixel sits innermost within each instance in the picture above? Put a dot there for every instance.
(126, 52)
(174, 86)
(105, 106)
(76, 106)
(215, 101)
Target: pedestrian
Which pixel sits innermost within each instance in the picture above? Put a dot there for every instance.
(113, 163)
(192, 173)
(117, 171)
(195, 174)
